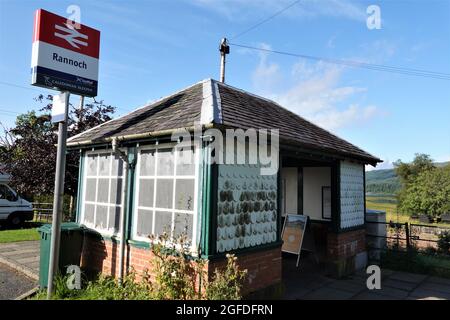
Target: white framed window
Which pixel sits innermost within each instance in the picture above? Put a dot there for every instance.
(165, 198)
(102, 193)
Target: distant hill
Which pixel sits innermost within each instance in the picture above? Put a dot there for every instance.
(385, 181)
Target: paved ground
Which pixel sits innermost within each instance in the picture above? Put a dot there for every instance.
(13, 283)
(307, 283)
(22, 256)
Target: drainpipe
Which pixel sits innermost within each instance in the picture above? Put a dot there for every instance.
(122, 155)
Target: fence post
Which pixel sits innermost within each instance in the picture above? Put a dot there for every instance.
(407, 235)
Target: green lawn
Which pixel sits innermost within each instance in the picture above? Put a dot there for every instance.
(18, 235)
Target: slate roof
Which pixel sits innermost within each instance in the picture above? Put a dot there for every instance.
(213, 102)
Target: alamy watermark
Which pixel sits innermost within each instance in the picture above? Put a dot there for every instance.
(373, 20)
(258, 147)
(374, 279)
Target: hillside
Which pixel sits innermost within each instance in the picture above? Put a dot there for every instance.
(382, 181)
(385, 181)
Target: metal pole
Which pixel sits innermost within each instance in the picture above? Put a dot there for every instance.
(222, 67)
(81, 103)
(224, 50)
(58, 200)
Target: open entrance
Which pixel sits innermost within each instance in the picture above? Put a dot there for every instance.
(308, 187)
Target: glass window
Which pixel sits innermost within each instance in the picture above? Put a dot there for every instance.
(165, 162)
(164, 193)
(147, 162)
(145, 222)
(184, 194)
(102, 192)
(91, 165)
(185, 162)
(7, 194)
(163, 222)
(166, 197)
(146, 192)
(183, 225)
(104, 165)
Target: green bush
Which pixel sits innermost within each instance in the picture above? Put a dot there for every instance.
(444, 242)
(226, 285)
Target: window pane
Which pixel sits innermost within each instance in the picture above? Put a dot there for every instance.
(114, 219)
(165, 162)
(186, 162)
(144, 223)
(104, 164)
(91, 189)
(116, 191)
(91, 167)
(101, 216)
(163, 222)
(183, 225)
(147, 163)
(184, 194)
(89, 210)
(117, 166)
(146, 192)
(103, 190)
(164, 193)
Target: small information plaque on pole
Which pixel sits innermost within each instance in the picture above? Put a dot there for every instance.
(59, 107)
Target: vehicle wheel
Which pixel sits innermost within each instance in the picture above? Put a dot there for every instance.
(15, 221)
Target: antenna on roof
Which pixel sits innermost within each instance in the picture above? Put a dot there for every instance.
(224, 50)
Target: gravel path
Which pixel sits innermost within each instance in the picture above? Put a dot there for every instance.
(13, 283)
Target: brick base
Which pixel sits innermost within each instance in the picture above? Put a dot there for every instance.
(101, 255)
(343, 250)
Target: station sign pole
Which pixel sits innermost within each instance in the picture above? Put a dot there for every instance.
(60, 115)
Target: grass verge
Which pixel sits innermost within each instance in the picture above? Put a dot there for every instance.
(7, 236)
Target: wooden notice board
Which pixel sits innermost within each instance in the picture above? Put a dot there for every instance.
(293, 233)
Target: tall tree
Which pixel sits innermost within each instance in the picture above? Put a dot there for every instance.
(30, 154)
(429, 192)
(409, 171)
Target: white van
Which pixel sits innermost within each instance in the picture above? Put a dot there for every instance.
(13, 209)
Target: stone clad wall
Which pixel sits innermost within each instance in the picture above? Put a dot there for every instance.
(247, 208)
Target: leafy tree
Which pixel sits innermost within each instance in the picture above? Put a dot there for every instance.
(409, 171)
(28, 151)
(429, 192)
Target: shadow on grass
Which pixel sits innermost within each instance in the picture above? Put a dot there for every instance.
(25, 225)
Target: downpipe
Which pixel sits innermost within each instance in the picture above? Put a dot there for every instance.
(122, 155)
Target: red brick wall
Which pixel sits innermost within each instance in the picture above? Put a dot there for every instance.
(263, 267)
(346, 244)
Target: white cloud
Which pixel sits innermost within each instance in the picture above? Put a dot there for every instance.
(241, 10)
(312, 90)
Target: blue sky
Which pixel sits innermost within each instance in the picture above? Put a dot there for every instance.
(150, 49)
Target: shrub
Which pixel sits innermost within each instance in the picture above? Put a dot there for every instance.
(178, 275)
(444, 242)
(226, 285)
(176, 272)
